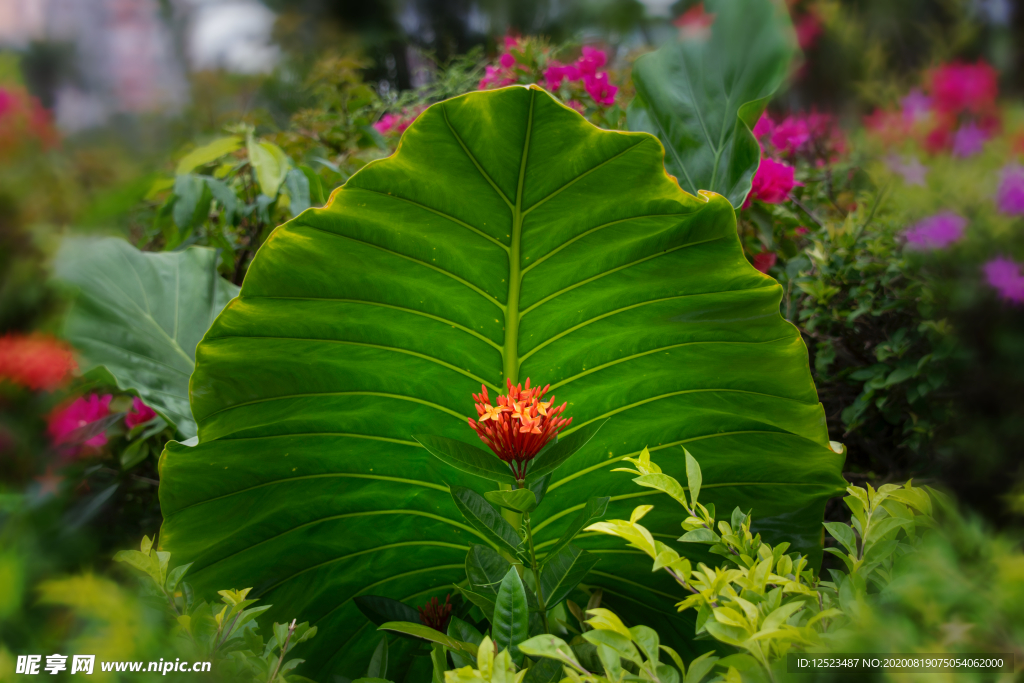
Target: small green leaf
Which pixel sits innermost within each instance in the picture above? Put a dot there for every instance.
(485, 519)
(471, 459)
(551, 647)
(563, 572)
(648, 640)
(518, 500)
(426, 633)
(208, 153)
(663, 483)
(622, 645)
(700, 536)
(552, 456)
(510, 625)
(174, 577)
(271, 164)
(594, 510)
(694, 478)
(844, 534)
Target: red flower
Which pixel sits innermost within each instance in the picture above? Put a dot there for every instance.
(139, 414)
(37, 361)
(694, 22)
(519, 426)
(764, 261)
(436, 614)
(65, 424)
(772, 183)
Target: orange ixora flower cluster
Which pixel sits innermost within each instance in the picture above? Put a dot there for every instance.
(520, 425)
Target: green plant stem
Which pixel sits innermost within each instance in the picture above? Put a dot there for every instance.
(284, 650)
(536, 573)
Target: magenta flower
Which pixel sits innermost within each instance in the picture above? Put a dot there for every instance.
(936, 232)
(64, 422)
(556, 73)
(790, 135)
(592, 60)
(495, 78)
(765, 260)
(507, 61)
(139, 414)
(600, 89)
(1005, 277)
(764, 126)
(958, 87)
(968, 140)
(1010, 195)
(772, 183)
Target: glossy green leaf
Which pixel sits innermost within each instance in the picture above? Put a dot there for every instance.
(485, 519)
(563, 571)
(139, 315)
(519, 500)
(592, 512)
(510, 625)
(462, 456)
(506, 238)
(702, 95)
(484, 601)
(552, 457)
(549, 646)
(428, 634)
(485, 568)
(208, 153)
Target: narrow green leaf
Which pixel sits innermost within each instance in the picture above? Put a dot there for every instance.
(518, 500)
(429, 634)
(553, 455)
(378, 667)
(471, 459)
(485, 519)
(510, 625)
(594, 510)
(563, 571)
(693, 477)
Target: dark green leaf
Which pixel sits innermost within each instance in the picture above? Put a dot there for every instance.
(485, 568)
(485, 519)
(702, 96)
(563, 572)
(552, 457)
(460, 630)
(510, 625)
(518, 500)
(545, 671)
(471, 459)
(484, 601)
(593, 511)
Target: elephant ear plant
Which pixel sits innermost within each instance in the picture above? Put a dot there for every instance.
(505, 238)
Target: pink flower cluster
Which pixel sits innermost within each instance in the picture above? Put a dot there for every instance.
(586, 70)
(936, 232)
(772, 182)
(813, 135)
(69, 425)
(1005, 277)
(958, 114)
(392, 124)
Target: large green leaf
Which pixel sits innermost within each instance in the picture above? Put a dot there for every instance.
(702, 95)
(139, 315)
(507, 237)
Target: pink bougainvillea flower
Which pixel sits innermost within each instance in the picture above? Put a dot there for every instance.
(1010, 195)
(139, 414)
(959, 87)
(772, 183)
(511, 42)
(387, 123)
(1005, 277)
(913, 172)
(519, 426)
(764, 126)
(591, 60)
(495, 77)
(557, 72)
(936, 232)
(968, 140)
(790, 135)
(507, 61)
(764, 261)
(916, 106)
(436, 614)
(65, 422)
(600, 89)
(37, 361)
